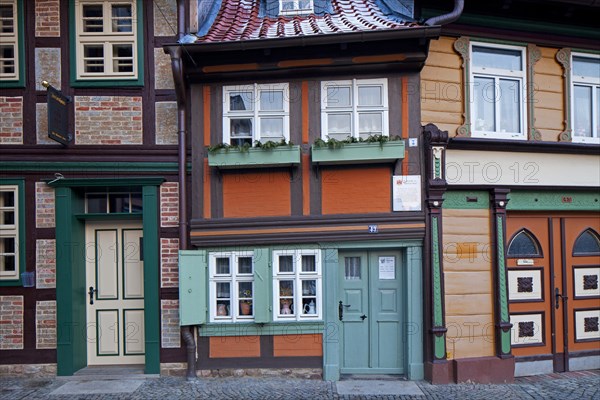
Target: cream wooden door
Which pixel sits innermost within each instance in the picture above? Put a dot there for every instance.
(114, 293)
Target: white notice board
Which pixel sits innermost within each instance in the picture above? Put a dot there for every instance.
(406, 192)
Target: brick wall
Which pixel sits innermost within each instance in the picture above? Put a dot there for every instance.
(45, 325)
(108, 120)
(169, 204)
(11, 120)
(11, 322)
(47, 18)
(44, 206)
(169, 262)
(170, 333)
(45, 263)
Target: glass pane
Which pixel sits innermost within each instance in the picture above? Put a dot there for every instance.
(582, 111)
(523, 245)
(309, 288)
(586, 67)
(7, 199)
(245, 265)
(286, 264)
(338, 96)
(370, 124)
(271, 129)
(286, 297)
(597, 112)
(7, 263)
(96, 203)
(287, 5)
(339, 126)
(271, 100)
(121, 18)
(484, 94)
(241, 101)
(118, 202)
(222, 266)
(123, 58)
(286, 288)
(92, 18)
(136, 203)
(223, 291)
(241, 127)
(304, 4)
(510, 106)
(7, 245)
(485, 57)
(587, 243)
(93, 58)
(6, 19)
(352, 267)
(309, 263)
(7, 217)
(245, 298)
(309, 306)
(7, 59)
(370, 96)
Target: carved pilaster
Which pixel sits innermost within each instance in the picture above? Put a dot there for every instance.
(461, 46)
(563, 56)
(534, 55)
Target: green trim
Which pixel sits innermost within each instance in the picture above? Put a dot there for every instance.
(95, 182)
(107, 216)
(355, 153)
(502, 286)
(20, 81)
(372, 244)
(114, 82)
(263, 277)
(414, 310)
(96, 258)
(125, 333)
(457, 200)
(260, 329)
(521, 25)
(123, 262)
(331, 335)
(192, 287)
(72, 166)
(554, 201)
(439, 341)
(255, 157)
(22, 241)
(98, 334)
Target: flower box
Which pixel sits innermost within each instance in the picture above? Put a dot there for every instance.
(353, 153)
(255, 157)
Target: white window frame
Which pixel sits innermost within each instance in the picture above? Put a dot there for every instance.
(11, 231)
(354, 108)
(498, 74)
(107, 39)
(256, 114)
(11, 39)
(296, 10)
(297, 276)
(233, 278)
(595, 85)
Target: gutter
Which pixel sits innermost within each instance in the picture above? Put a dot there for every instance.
(450, 17)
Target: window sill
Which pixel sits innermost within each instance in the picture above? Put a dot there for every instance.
(356, 153)
(255, 328)
(281, 156)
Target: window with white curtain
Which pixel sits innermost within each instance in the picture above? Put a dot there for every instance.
(231, 286)
(497, 83)
(294, 7)
(355, 108)
(585, 98)
(9, 54)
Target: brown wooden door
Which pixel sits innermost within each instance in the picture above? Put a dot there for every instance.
(552, 311)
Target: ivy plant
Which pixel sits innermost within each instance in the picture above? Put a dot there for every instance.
(269, 145)
(332, 143)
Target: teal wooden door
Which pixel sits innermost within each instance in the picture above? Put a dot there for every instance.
(371, 308)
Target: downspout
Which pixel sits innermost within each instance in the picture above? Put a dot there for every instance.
(450, 17)
(187, 332)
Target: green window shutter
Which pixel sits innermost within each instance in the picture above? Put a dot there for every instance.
(192, 287)
(262, 285)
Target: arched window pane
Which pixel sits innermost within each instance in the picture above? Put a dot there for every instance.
(523, 245)
(587, 243)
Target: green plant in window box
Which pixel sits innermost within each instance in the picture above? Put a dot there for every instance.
(268, 145)
(246, 304)
(332, 143)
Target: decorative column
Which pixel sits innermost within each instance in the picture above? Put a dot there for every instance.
(563, 56)
(502, 317)
(436, 142)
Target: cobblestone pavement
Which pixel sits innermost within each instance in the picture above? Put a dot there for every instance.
(572, 385)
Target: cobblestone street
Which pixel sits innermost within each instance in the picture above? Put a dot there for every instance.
(572, 385)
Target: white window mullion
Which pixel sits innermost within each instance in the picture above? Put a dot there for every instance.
(256, 126)
(497, 108)
(355, 117)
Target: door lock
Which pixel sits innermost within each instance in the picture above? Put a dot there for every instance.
(91, 293)
(363, 317)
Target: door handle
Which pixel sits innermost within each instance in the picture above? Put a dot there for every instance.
(556, 296)
(91, 293)
(341, 310)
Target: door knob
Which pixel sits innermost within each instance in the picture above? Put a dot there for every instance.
(363, 317)
(91, 293)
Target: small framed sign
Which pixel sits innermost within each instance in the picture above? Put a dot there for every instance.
(406, 192)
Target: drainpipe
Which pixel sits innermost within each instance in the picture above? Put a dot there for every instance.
(450, 17)
(187, 332)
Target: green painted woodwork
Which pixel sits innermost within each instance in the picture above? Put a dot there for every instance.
(83, 166)
(437, 168)
(457, 200)
(150, 223)
(356, 153)
(414, 310)
(107, 82)
(71, 346)
(331, 334)
(192, 287)
(22, 242)
(280, 156)
(439, 341)
(263, 275)
(374, 244)
(114, 216)
(554, 200)
(272, 328)
(20, 81)
(502, 285)
(120, 182)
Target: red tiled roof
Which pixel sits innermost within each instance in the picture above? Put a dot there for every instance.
(239, 20)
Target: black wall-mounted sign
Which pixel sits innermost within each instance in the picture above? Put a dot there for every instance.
(58, 116)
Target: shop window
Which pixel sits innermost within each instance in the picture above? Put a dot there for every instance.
(587, 244)
(355, 108)
(9, 233)
(497, 86)
(295, 7)
(231, 292)
(524, 244)
(256, 113)
(297, 285)
(585, 98)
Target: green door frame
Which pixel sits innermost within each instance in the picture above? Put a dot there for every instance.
(71, 350)
(413, 285)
